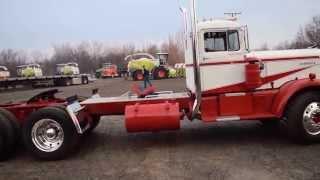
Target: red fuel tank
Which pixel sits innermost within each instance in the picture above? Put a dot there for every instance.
(152, 117)
(253, 77)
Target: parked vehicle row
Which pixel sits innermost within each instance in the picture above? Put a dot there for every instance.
(32, 75)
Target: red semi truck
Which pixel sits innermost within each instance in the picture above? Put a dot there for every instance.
(225, 80)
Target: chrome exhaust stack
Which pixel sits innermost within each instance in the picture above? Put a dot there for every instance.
(196, 63)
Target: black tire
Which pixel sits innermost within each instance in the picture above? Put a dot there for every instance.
(7, 138)
(135, 75)
(270, 123)
(95, 122)
(294, 117)
(85, 80)
(67, 82)
(14, 123)
(59, 116)
(2, 146)
(156, 73)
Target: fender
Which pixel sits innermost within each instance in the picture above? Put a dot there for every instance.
(289, 90)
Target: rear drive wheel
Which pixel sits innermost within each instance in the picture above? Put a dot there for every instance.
(95, 122)
(14, 123)
(2, 146)
(303, 118)
(270, 123)
(7, 138)
(50, 134)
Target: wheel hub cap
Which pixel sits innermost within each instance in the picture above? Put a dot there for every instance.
(47, 135)
(161, 74)
(51, 133)
(311, 118)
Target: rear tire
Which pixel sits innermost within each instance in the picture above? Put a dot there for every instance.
(7, 138)
(138, 75)
(160, 73)
(270, 123)
(14, 123)
(49, 134)
(303, 118)
(94, 124)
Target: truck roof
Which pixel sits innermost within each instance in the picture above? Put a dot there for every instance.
(218, 24)
(28, 65)
(68, 64)
(3, 68)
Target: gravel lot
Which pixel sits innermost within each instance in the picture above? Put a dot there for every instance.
(236, 150)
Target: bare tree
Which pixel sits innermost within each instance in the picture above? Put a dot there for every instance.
(300, 42)
(306, 37)
(263, 47)
(174, 46)
(313, 31)
(11, 59)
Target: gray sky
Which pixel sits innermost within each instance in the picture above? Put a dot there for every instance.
(38, 24)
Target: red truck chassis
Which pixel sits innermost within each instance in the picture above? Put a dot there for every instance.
(51, 127)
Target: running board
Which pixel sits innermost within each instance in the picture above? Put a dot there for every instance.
(223, 119)
(228, 118)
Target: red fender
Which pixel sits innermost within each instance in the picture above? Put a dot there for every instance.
(290, 89)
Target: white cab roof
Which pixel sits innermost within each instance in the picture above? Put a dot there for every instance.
(218, 24)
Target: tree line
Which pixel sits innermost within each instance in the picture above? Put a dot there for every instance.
(308, 36)
(90, 55)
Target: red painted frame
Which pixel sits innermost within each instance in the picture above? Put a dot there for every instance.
(22, 110)
(250, 105)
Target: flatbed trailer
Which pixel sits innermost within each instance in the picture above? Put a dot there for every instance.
(57, 80)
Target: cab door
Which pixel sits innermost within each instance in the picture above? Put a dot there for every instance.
(221, 58)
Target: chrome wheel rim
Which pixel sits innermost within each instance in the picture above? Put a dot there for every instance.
(47, 135)
(311, 118)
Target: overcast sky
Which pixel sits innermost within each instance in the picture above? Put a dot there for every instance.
(38, 24)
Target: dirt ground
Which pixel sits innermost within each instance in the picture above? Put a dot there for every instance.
(233, 150)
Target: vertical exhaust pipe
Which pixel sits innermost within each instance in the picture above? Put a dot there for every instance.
(196, 63)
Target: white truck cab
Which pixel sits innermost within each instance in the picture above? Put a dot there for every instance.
(223, 53)
(218, 41)
(70, 68)
(29, 70)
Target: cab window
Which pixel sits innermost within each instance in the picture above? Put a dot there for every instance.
(233, 39)
(221, 41)
(215, 41)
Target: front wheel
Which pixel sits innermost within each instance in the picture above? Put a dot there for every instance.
(160, 73)
(50, 134)
(138, 75)
(303, 117)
